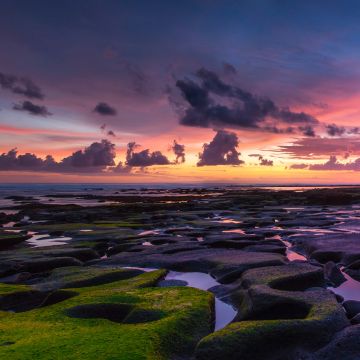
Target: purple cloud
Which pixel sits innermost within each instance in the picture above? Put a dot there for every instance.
(98, 154)
(262, 160)
(95, 158)
(32, 109)
(179, 151)
(309, 148)
(265, 162)
(20, 85)
(222, 150)
(102, 108)
(235, 107)
(333, 164)
(335, 130)
(144, 158)
(299, 166)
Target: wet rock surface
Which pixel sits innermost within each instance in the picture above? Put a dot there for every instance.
(285, 262)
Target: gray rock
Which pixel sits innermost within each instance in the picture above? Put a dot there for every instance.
(355, 320)
(352, 307)
(170, 283)
(344, 346)
(333, 274)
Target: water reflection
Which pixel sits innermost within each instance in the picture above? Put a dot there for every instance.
(349, 290)
(44, 240)
(224, 313)
(236, 231)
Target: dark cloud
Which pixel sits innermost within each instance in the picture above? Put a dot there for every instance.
(12, 161)
(102, 108)
(335, 130)
(275, 130)
(20, 85)
(99, 157)
(222, 150)
(120, 168)
(33, 109)
(265, 162)
(144, 158)
(354, 131)
(308, 148)
(235, 107)
(107, 132)
(299, 166)
(333, 164)
(179, 151)
(95, 158)
(307, 130)
(98, 154)
(262, 160)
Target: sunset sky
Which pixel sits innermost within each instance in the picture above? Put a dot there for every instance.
(247, 91)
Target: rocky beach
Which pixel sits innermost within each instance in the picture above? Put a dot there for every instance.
(181, 273)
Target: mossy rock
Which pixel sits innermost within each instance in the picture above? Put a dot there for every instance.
(128, 319)
(8, 240)
(276, 319)
(82, 254)
(292, 277)
(226, 265)
(77, 276)
(6, 289)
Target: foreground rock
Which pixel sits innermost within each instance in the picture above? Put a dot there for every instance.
(9, 240)
(65, 294)
(128, 319)
(281, 316)
(345, 346)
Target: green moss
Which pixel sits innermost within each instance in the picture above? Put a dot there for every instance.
(6, 289)
(49, 333)
(129, 224)
(9, 235)
(293, 276)
(277, 316)
(8, 239)
(75, 276)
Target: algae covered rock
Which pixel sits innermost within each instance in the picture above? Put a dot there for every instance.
(345, 346)
(277, 318)
(75, 276)
(225, 265)
(126, 319)
(8, 240)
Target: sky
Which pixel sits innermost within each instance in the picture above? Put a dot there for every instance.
(246, 91)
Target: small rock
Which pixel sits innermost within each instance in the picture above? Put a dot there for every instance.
(355, 320)
(339, 298)
(354, 265)
(333, 274)
(16, 278)
(352, 307)
(170, 283)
